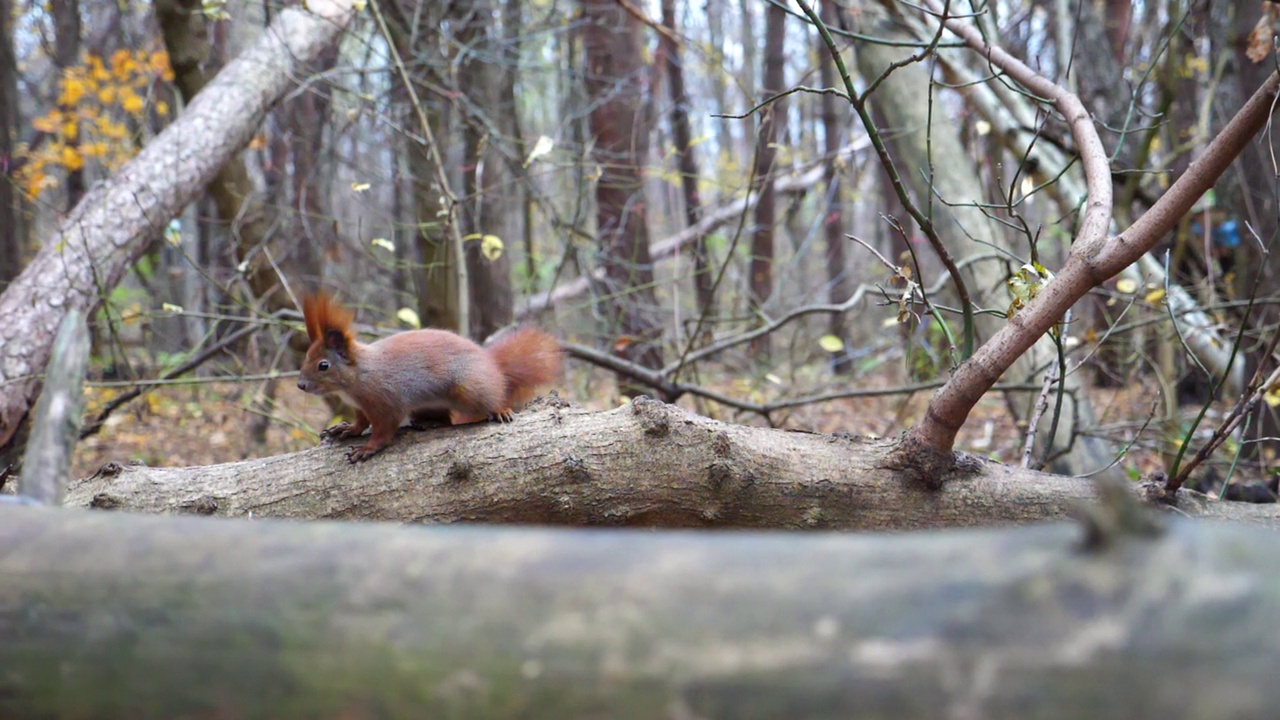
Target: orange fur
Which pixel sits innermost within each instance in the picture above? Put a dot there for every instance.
(419, 372)
(322, 313)
(529, 359)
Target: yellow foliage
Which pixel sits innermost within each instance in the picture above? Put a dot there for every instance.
(70, 158)
(131, 103)
(48, 123)
(97, 70)
(94, 102)
(123, 66)
(158, 64)
(110, 128)
(73, 88)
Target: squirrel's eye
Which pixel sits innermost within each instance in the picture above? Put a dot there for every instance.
(324, 365)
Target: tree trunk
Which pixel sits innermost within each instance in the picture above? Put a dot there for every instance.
(11, 234)
(772, 117)
(482, 77)
(839, 283)
(644, 464)
(703, 272)
(112, 226)
(66, 55)
(315, 231)
(193, 617)
(616, 83)
(436, 279)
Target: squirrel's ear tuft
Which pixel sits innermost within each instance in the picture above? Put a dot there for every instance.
(323, 314)
(309, 315)
(338, 342)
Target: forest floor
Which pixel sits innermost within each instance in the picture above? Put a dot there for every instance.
(207, 423)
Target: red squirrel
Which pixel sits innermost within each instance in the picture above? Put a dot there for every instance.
(419, 370)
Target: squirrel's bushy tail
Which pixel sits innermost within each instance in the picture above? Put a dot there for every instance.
(529, 358)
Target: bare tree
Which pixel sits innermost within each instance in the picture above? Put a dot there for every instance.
(617, 84)
(66, 54)
(772, 118)
(839, 283)
(10, 227)
(488, 126)
(703, 279)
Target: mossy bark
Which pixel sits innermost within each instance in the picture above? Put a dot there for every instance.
(116, 615)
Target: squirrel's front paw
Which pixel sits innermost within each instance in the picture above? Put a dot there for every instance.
(339, 431)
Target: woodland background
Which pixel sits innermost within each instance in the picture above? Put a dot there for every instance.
(839, 218)
(675, 190)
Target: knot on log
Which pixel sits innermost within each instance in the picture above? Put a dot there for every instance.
(203, 505)
(653, 416)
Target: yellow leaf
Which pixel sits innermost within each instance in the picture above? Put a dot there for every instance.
(162, 108)
(35, 183)
(1271, 397)
(169, 307)
(1126, 286)
(360, 187)
(132, 104)
(48, 123)
(95, 150)
(409, 317)
(97, 70)
(831, 343)
(383, 243)
(491, 247)
(73, 89)
(1154, 296)
(70, 158)
(70, 130)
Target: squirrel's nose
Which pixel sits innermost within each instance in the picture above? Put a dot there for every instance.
(302, 385)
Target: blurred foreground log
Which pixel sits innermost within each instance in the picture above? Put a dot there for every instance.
(643, 464)
(113, 615)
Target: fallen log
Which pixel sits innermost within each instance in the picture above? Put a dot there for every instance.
(114, 615)
(646, 463)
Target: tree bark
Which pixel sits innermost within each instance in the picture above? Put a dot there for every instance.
(482, 78)
(11, 245)
(645, 464)
(839, 282)
(56, 427)
(616, 85)
(112, 226)
(772, 117)
(193, 617)
(66, 55)
(687, 160)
